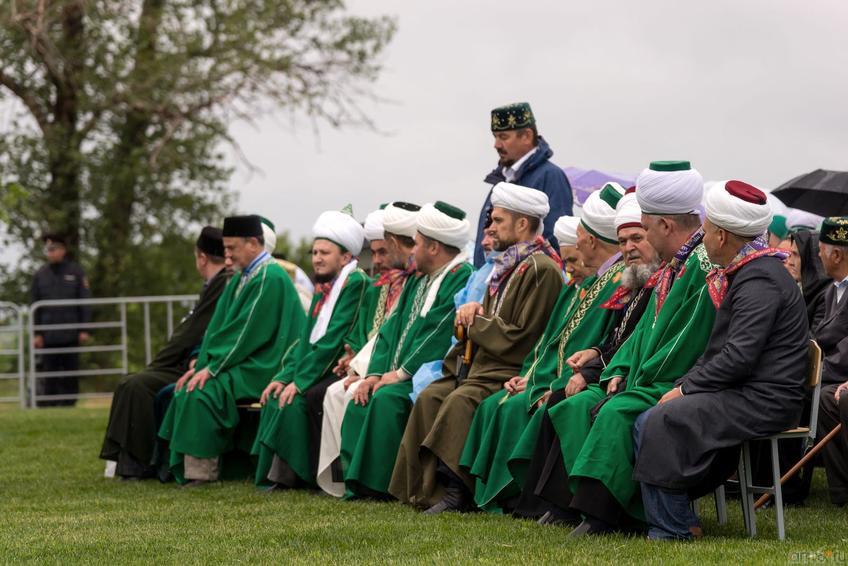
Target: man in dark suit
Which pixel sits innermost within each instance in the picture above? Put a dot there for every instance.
(61, 278)
(131, 432)
(832, 336)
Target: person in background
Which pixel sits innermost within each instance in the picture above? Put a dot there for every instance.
(61, 278)
(524, 160)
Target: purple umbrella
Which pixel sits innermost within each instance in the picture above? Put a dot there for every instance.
(585, 181)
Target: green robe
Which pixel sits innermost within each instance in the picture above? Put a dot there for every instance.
(370, 317)
(256, 321)
(661, 349)
(284, 431)
(501, 421)
(372, 433)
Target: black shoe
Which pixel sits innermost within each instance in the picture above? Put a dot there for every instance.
(558, 519)
(590, 527)
(273, 488)
(455, 499)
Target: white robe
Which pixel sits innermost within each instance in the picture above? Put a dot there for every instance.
(336, 400)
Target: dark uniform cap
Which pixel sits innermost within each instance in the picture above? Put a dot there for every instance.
(512, 117)
(834, 231)
(249, 226)
(211, 241)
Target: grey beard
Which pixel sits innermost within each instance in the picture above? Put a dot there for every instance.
(635, 276)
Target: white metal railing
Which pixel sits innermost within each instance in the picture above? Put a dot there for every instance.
(12, 348)
(122, 303)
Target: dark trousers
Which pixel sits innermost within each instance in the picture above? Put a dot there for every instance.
(835, 453)
(58, 385)
(132, 430)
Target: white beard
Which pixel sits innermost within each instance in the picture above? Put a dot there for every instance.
(635, 276)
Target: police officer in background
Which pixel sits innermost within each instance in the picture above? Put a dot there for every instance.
(61, 278)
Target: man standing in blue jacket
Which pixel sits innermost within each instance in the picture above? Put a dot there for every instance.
(524, 159)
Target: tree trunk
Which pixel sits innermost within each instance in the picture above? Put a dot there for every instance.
(129, 156)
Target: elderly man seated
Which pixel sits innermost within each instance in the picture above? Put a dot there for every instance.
(748, 383)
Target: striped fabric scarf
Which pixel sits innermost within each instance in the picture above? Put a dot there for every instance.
(717, 279)
(665, 276)
(515, 254)
(395, 279)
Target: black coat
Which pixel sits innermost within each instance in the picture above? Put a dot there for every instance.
(748, 383)
(814, 281)
(832, 336)
(63, 280)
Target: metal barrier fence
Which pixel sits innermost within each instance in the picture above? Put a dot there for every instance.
(36, 373)
(12, 349)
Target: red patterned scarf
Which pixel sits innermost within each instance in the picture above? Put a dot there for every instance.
(717, 279)
(665, 275)
(395, 279)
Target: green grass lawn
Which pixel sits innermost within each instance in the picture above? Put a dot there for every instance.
(55, 506)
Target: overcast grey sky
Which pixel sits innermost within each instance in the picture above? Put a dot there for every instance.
(756, 90)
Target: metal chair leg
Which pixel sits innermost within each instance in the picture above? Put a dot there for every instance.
(740, 475)
(748, 494)
(720, 505)
(778, 491)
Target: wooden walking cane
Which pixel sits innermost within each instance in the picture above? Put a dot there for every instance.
(464, 359)
(794, 469)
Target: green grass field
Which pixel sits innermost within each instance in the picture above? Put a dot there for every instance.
(55, 506)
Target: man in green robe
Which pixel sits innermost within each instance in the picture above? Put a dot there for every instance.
(131, 433)
(576, 323)
(418, 331)
(391, 239)
(595, 426)
(289, 432)
(256, 320)
(525, 282)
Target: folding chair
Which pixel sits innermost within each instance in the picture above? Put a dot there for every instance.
(746, 489)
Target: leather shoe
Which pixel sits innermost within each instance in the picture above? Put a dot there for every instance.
(589, 528)
(195, 483)
(556, 520)
(455, 499)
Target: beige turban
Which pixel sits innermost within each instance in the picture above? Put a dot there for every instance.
(599, 212)
(401, 218)
(627, 213)
(269, 235)
(522, 200)
(374, 226)
(739, 208)
(565, 230)
(670, 187)
(444, 223)
(340, 228)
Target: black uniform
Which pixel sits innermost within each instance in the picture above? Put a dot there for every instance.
(131, 432)
(63, 280)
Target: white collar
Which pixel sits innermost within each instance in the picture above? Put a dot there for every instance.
(511, 171)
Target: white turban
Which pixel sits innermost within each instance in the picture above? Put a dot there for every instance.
(444, 223)
(340, 228)
(739, 208)
(599, 212)
(628, 214)
(399, 219)
(565, 230)
(670, 187)
(374, 226)
(802, 220)
(522, 200)
(269, 235)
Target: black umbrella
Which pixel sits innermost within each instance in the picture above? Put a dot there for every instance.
(821, 192)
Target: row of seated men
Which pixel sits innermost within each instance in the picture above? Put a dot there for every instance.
(601, 386)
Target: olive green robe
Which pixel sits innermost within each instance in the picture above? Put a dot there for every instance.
(284, 431)
(662, 348)
(257, 319)
(500, 421)
(441, 417)
(371, 433)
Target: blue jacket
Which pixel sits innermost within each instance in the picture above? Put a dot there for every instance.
(537, 173)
